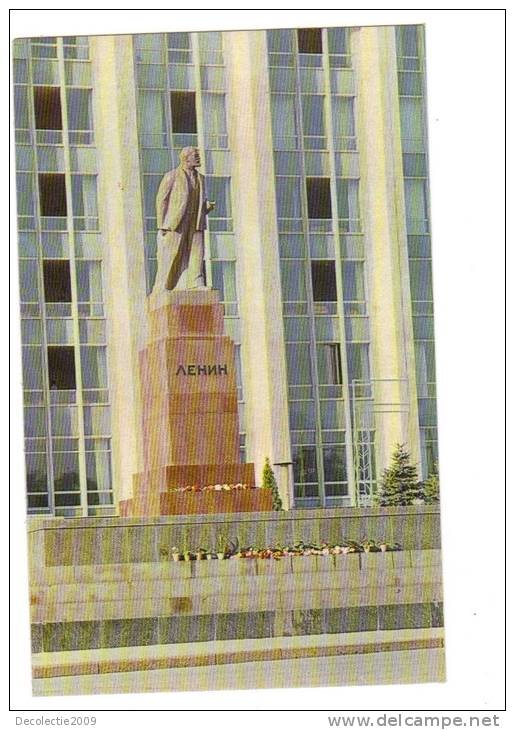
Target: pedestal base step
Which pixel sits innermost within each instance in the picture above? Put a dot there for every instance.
(200, 503)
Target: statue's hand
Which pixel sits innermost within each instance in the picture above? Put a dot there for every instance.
(210, 205)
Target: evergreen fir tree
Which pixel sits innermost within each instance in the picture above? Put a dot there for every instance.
(270, 483)
(431, 487)
(399, 485)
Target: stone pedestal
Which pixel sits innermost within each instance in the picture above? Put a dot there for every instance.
(190, 411)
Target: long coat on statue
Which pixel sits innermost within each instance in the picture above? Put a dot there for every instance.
(181, 208)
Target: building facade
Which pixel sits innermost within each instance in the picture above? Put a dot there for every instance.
(313, 144)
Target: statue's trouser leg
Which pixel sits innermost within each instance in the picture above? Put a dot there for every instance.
(196, 277)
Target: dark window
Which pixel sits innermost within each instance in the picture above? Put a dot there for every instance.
(52, 194)
(304, 464)
(310, 40)
(319, 197)
(335, 466)
(329, 364)
(61, 368)
(323, 281)
(184, 117)
(47, 107)
(56, 277)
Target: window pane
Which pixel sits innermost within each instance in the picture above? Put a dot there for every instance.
(302, 415)
(224, 279)
(284, 123)
(293, 281)
(323, 280)
(32, 368)
(416, 204)
(25, 194)
(408, 40)
(97, 421)
(332, 415)
(29, 280)
(353, 281)
(36, 470)
(313, 121)
(309, 40)
(64, 421)
(84, 195)
(319, 197)
(31, 331)
(425, 362)
(288, 197)
(98, 471)
(79, 109)
(280, 41)
(210, 47)
(329, 364)
(343, 119)
(47, 107)
(56, 276)
(61, 368)
(219, 190)
(421, 280)
(410, 83)
(52, 195)
(357, 361)
(148, 42)
(177, 40)
(214, 119)
(66, 472)
(304, 464)
(296, 328)
(150, 188)
(412, 117)
(335, 467)
(184, 116)
(94, 367)
(348, 200)
(338, 40)
(89, 281)
(414, 165)
(298, 363)
(152, 118)
(21, 108)
(34, 422)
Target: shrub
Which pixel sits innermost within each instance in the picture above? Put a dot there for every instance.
(431, 487)
(270, 483)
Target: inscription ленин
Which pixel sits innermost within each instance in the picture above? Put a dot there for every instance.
(202, 370)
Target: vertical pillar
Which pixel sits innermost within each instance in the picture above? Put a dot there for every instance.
(392, 349)
(121, 218)
(257, 241)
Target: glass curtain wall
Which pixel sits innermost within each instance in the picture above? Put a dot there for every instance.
(322, 263)
(65, 381)
(410, 67)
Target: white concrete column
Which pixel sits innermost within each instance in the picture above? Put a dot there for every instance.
(121, 222)
(258, 272)
(382, 203)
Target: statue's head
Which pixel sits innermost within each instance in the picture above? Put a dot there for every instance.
(190, 157)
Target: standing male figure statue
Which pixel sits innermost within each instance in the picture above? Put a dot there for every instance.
(181, 208)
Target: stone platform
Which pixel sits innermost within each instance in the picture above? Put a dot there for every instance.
(110, 608)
